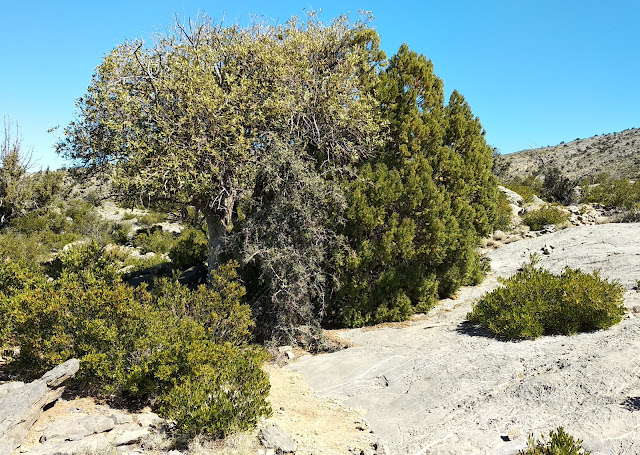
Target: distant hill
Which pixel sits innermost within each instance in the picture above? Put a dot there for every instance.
(616, 153)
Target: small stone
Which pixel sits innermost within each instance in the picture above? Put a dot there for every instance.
(547, 249)
(513, 433)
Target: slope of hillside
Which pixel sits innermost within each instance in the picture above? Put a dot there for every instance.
(617, 154)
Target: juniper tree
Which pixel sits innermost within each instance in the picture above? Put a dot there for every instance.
(417, 209)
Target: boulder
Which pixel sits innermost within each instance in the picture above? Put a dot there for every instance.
(22, 404)
(272, 437)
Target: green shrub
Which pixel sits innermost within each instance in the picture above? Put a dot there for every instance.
(151, 218)
(156, 241)
(548, 214)
(535, 302)
(557, 187)
(559, 443)
(173, 348)
(190, 249)
(612, 192)
(224, 394)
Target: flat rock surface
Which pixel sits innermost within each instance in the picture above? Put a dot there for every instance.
(439, 386)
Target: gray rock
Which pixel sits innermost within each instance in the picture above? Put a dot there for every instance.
(76, 427)
(512, 196)
(61, 373)
(273, 437)
(20, 406)
(130, 437)
(121, 419)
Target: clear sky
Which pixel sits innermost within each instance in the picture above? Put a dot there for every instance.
(536, 72)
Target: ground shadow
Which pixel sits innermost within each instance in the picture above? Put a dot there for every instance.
(473, 330)
(631, 403)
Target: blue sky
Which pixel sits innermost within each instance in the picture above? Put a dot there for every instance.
(536, 72)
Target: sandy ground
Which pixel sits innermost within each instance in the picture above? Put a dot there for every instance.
(438, 386)
(318, 425)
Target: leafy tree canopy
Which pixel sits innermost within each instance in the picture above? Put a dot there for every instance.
(192, 118)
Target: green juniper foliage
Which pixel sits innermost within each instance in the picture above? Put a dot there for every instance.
(535, 302)
(416, 210)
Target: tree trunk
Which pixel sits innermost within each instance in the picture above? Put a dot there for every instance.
(217, 231)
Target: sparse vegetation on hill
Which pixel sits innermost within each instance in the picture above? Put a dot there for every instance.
(615, 153)
(535, 302)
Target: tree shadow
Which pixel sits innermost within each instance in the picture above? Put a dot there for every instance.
(631, 403)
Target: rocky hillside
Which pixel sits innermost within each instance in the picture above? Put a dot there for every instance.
(617, 154)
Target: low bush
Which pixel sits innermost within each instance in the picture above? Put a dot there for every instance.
(156, 241)
(190, 249)
(185, 352)
(612, 192)
(151, 218)
(549, 214)
(557, 187)
(535, 302)
(559, 443)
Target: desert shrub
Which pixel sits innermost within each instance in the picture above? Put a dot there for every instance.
(136, 264)
(154, 240)
(189, 250)
(20, 191)
(559, 443)
(159, 349)
(557, 187)
(612, 192)
(217, 306)
(535, 302)
(64, 221)
(151, 218)
(120, 233)
(225, 393)
(549, 214)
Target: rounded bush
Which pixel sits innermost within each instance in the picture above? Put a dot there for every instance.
(538, 219)
(535, 302)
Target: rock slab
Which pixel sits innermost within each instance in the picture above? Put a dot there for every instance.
(21, 404)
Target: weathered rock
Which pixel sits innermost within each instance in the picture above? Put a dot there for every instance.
(21, 406)
(272, 437)
(76, 427)
(129, 437)
(512, 196)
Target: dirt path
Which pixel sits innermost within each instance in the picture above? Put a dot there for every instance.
(436, 387)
